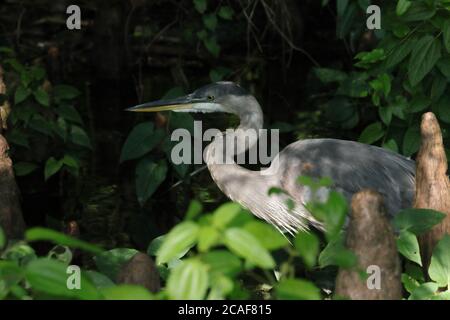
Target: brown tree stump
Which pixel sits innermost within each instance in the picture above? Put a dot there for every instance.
(432, 184)
(371, 239)
(140, 270)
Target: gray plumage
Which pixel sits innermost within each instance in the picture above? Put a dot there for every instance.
(351, 165)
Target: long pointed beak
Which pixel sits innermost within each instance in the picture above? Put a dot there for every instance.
(182, 103)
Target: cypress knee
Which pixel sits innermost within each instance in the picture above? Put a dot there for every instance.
(140, 270)
(371, 239)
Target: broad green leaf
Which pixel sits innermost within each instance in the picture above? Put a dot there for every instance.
(42, 97)
(402, 6)
(43, 234)
(141, 140)
(247, 246)
(194, 209)
(443, 108)
(65, 92)
(417, 221)
(446, 35)
(336, 254)
(51, 277)
(308, 245)
(21, 94)
(438, 87)
(385, 114)
(400, 52)
(419, 104)
(188, 281)
(24, 168)
(409, 283)
(225, 214)
(52, 166)
(149, 175)
(411, 141)
(180, 238)
(212, 46)
(372, 133)
(110, 262)
(200, 5)
(208, 236)
(99, 279)
(444, 67)
(408, 246)
(222, 262)
(126, 292)
(69, 113)
(80, 137)
(327, 75)
(267, 235)
(210, 21)
(423, 58)
(419, 11)
(297, 289)
(391, 145)
(424, 292)
(439, 270)
(226, 12)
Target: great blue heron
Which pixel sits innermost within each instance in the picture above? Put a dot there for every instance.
(352, 166)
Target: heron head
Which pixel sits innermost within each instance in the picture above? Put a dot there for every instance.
(220, 96)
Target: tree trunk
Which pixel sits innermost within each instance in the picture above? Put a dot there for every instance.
(371, 238)
(11, 219)
(432, 184)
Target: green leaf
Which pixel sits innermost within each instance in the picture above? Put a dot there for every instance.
(65, 92)
(439, 270)
(247, 246)
(391, 145)
(423, 58)
(297, 289)
(99, 279)
(50, 277)
(110, 262)
(419, 104)
(2, 238)
(180, 238)
(226, 12)
(149, 175)
(52, 166)
(411, 141)
(126, 292)
(336, 254)
(42, 97)
(424, 292)
(409, 283)
(225, 214)
(446, 35)
(419, 11)
(267, 235)
(308, 246)
(24, 168)
(212, 46)
(194, 209)
(402, 7)
(141, 140)
(222, 262)
(69, 113)
(208, 236)
(200, 5)
(218, 74)
(44, 234)
(210, 21)
(385, 114)
(188, 281)
(443, 108)
(400, 52)
(417, 221)
(372, 133)
(80, 137)
(21, 94)
(408, 246)
(327, 75)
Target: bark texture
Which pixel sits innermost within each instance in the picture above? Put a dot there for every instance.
(371, 238)
(432, 183)
(140, 270)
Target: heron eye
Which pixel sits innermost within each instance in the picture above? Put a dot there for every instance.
(210, 98)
